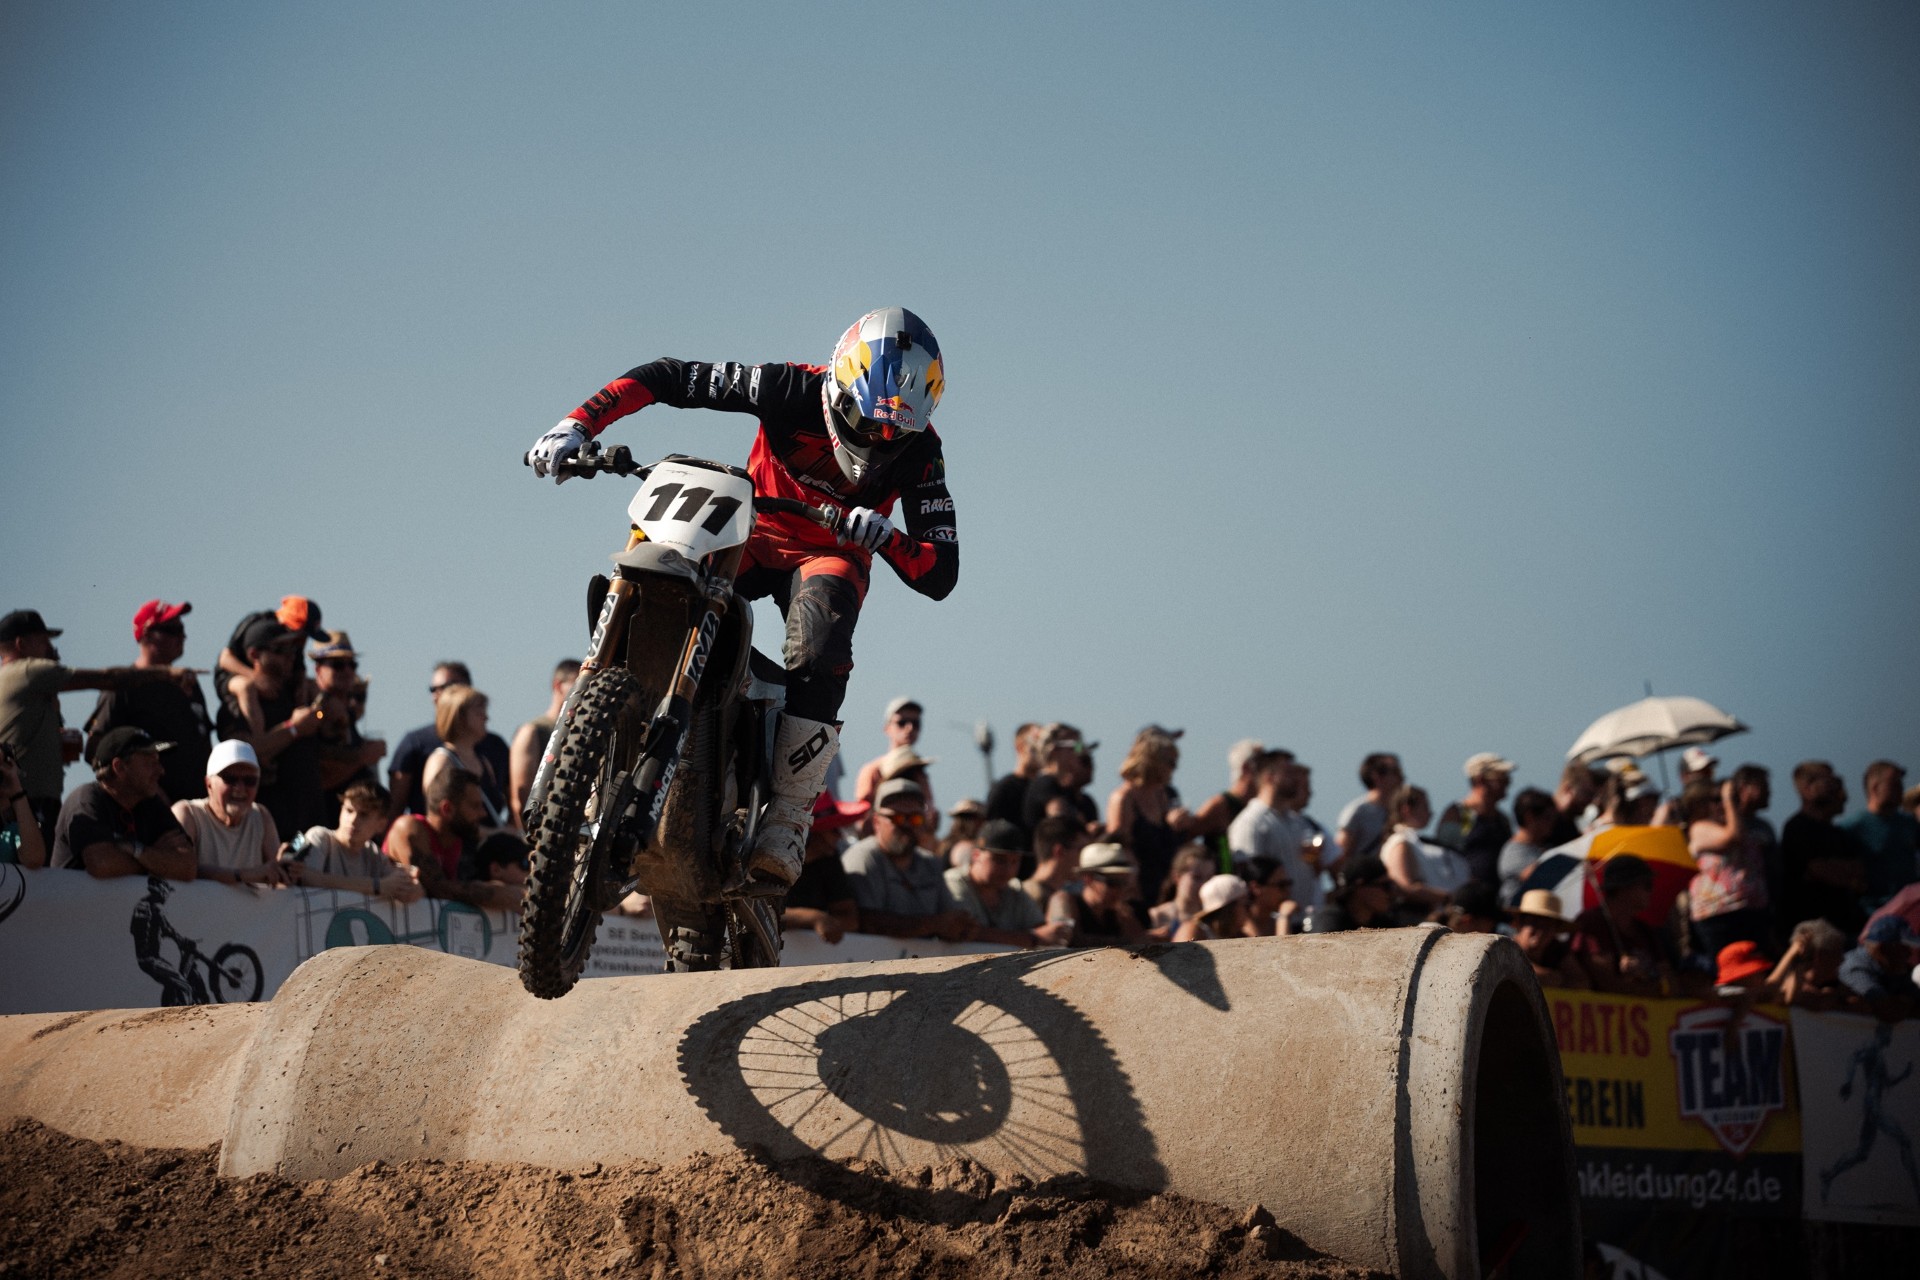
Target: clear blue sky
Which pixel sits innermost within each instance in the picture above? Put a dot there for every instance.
(1404, 379)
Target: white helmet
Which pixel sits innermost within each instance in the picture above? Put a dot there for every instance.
(885, 379)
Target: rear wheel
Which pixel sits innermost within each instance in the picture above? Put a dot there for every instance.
(571, 865)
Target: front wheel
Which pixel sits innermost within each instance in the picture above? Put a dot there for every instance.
(571, 846)
(753, 928)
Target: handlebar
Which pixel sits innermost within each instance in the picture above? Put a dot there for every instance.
(788, 506)
(591, 461)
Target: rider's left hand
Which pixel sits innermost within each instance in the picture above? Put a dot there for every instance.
(864, 527)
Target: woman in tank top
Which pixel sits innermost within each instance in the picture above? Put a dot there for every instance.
(460, 719)
(1144, 812)
(1427, 875)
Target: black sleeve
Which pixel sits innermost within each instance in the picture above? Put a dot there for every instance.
(154, 820)
(927, 558)
(106, 715)
(765, 390)
(87, 819)
(727, 385)
(1040, 792)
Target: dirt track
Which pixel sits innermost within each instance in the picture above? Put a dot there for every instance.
(74, 1208)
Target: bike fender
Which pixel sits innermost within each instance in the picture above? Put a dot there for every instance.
(651, 557)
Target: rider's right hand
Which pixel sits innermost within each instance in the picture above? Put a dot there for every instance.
(555, 447)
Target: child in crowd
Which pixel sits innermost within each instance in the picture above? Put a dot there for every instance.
(1809, 973)
(1271, 911)
(1180, 899)
(501, 858)
(1223, 911)
(348, 856)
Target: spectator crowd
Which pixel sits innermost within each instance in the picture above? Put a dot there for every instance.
(273, 784)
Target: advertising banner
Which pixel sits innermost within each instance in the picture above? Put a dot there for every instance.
(70, 942)
(1861, 1098)
(1687, 1133)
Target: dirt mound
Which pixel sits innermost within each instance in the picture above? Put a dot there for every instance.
(75, 1208)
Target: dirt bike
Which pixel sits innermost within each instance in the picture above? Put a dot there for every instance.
(232, 974)
(660, 765)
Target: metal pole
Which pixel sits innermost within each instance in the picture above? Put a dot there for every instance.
(983, 738)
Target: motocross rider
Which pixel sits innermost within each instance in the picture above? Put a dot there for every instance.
(852, 438)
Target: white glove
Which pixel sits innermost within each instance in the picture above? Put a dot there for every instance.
(555, 447)
(863, 527)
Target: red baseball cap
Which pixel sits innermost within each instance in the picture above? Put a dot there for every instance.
(1741, 960)
(830, 814)
(154, 613)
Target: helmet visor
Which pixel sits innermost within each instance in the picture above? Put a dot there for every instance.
(858, 429)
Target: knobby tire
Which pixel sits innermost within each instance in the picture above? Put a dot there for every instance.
(559, 915)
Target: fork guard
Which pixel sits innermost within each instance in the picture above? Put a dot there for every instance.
(653, 558)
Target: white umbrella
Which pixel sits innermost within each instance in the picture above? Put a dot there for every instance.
(1653, 724)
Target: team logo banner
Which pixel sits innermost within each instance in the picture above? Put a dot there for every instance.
(1687, 1134)
(1860, 1087)
(70, 942)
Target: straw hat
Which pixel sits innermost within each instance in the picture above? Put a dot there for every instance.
(1542, 905)
(901, 759)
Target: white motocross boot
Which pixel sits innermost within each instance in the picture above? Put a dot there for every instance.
(802, 750)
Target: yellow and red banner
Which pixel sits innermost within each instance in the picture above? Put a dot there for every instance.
(1686, 1125)
(1676, 1075)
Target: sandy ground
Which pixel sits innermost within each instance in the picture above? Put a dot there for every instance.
(72, 1208)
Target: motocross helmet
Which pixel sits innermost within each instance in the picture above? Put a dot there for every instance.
(881, 389)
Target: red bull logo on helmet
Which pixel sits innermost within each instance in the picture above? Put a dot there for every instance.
(894, 411)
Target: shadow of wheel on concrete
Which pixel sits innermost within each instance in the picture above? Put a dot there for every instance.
(908, 1070)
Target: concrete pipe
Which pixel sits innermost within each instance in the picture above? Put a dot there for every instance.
(152, 1077)
(1392, 1097)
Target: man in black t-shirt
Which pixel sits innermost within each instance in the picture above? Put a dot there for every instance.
(1823, 869)
(169, 711)
(119, 825)
(269, 709)
(1007, 797)
(1474, 826)
(1061, 784)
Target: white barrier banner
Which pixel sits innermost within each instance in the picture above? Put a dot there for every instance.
(1860, 1117)
(70, 942)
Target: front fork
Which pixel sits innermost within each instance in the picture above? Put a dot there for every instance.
(660, 753)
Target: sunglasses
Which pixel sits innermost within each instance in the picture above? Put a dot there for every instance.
(904, 819)
(912, 721)
(437, 689)
(339, 664)
(242, 781)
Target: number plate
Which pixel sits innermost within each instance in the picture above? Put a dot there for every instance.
(693, 510)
